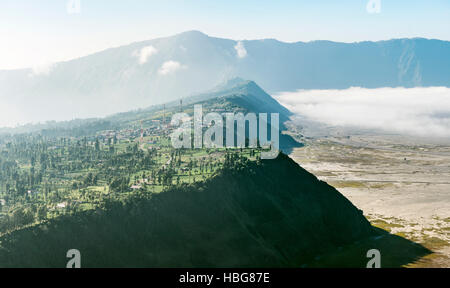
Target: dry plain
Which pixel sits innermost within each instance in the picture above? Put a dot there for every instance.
(402, 184)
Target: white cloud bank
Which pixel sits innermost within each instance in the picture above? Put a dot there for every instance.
(421, 112)
(42, 69)
(240, 50)
(145, 53)
(170, 67)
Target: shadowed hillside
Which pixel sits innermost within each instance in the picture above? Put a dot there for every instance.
(271, 213)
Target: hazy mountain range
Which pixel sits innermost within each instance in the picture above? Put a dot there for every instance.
(160, 70)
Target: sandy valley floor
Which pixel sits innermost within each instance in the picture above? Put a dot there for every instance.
(402, 185)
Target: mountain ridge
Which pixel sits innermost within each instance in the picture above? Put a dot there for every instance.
(233, 88)
(163, 69)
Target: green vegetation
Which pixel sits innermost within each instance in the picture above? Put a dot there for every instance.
(264, 213)
(63, 168)
(116, 190)
(41, 177)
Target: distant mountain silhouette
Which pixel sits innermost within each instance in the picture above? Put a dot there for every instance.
(164, 69)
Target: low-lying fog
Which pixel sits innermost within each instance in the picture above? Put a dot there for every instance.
(423, 112)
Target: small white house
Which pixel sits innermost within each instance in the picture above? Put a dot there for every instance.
(61, 205)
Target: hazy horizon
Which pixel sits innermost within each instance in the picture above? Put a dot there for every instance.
(42, 67)
(64, 30)
(55, 42)
(420, 111)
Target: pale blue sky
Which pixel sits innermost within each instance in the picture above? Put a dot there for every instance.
(35, 32)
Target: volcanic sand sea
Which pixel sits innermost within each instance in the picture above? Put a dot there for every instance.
(401, 184)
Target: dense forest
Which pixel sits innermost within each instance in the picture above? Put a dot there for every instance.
(41, 178)
(51, 169)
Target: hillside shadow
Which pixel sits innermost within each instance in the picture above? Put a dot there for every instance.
(287, 144)
(395, 252)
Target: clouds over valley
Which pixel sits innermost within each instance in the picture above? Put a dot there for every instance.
(423, 112)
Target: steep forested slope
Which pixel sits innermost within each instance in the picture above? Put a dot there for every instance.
(271, 213)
